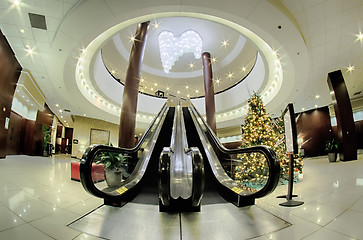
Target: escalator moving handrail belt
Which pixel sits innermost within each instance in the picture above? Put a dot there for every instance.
(91, 153)
(268, 152)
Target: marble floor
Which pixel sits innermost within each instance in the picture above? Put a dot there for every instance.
(38, 201)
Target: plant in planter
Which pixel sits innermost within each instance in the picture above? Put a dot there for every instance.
(331, 148)
(115, 167)
(46, 139)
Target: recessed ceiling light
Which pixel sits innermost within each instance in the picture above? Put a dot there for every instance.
(303, 109)
(218, 81)
(188, 96)
(186, 87)
(22, 30)
(316, 105)
(57, 105)
(155, 84)
(84, 114)
(152, 89)
(359, 37)
(61, 116)
(142, 79)
(224, 43)
(156, 25)
(16, 2)
(350, 68)
(317, 96)
(178, 92)
(83, 50)
(132, 38)
(191, 65)
(167, 88)
(214, 59)
(230, 75)
(113, 71)
(196, 91)
(244, 69)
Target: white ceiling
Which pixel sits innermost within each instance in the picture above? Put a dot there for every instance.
(316, 37)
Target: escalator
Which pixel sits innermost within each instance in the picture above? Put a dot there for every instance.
(139, 173)
(152, 175)
(221, 163)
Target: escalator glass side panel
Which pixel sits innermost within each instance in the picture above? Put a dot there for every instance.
(110, 172)
(248, 172)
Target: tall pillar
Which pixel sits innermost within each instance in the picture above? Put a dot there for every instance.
(129, 102)
(344, 116)
(210, 107)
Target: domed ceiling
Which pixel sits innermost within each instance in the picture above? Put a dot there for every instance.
(232, 55)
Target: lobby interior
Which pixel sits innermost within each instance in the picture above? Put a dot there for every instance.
(70, 75)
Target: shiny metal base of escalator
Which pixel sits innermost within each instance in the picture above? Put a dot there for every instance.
(142, 221)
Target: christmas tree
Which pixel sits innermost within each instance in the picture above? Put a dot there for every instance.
(260, 129)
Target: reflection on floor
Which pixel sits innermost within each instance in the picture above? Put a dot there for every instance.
(38, 200)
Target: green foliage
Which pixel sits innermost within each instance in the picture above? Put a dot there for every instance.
(331, 146)
(260, 129)
(46, 133)
(112, 160)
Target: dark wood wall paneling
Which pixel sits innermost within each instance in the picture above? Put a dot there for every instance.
(29, 133)
(314, 125)
(9, 74)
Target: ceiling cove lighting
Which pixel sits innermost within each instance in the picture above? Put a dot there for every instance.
(171, 48)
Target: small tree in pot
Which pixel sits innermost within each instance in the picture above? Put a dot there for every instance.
(46, 139)
(331, 148)
(115, 167)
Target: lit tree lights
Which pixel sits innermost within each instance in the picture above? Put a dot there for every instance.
(260, 129)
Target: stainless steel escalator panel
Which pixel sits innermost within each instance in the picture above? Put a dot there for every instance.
(181, 169)
(131, 222)
(225, 221)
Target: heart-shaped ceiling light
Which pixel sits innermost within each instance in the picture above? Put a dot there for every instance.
(171, 48)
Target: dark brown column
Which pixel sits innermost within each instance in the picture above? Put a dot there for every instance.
(344, 116)
(129, 102)
(210, 107)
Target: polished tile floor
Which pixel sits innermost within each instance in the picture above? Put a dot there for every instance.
(38, 200)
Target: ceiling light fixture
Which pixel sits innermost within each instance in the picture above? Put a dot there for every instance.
(350, 68)
(16, 2)
(171, 48)
(230, 75)
(218, 81)
(196, 91)
(113, 72)
(244, 69)
(317, 96)
(214, 59)
(155, 84)
(156, 25)
(225, 43)
(132, 39)
(191, 65)
(359, 37)
(167, 88)
(22, 30)
(186, 87)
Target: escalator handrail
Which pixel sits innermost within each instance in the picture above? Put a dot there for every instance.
(91, 152)
(268, 152)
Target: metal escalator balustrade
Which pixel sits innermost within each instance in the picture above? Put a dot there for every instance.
(181, 171)
(132, 164)
(234, 169)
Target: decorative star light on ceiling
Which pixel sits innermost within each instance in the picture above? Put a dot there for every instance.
(171, 48)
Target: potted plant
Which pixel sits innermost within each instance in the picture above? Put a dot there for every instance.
(114, 167)
(46, 139)
(331, 148)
